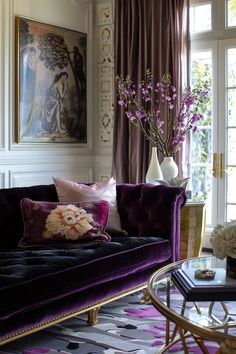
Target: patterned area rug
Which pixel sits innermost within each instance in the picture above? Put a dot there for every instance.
(127, 325)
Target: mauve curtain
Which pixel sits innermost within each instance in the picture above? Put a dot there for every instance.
(150, 34)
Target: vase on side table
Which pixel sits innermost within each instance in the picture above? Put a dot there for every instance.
(154, 172)
(169, 168)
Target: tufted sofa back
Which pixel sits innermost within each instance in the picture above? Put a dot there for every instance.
(141, 209)
(149, 210)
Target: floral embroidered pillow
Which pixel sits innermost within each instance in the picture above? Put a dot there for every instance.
(48, 223)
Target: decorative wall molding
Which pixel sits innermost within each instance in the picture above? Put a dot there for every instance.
(105, 28)
(42, 176)
(32, 159)
(3, 180)
(104, 13)
(27, 164)
(102, 167)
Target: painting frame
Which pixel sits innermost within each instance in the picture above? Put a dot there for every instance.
(50, 83)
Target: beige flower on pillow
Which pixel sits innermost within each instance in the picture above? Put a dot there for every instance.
(69, 221)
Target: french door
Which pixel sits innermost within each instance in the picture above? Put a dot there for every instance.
(213, 147)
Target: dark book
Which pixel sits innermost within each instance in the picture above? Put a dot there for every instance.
(221, 288)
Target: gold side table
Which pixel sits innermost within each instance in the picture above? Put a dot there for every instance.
(192, 229)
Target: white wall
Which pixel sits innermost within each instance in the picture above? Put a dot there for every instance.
(29, 164)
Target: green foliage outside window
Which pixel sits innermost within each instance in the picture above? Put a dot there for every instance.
(201, 142)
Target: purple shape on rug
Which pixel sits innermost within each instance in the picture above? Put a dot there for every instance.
(196, 350)
(160, 326)
(36, 350)
(158, 342)
(143, 312)
(156, 333)
(175, 348)
(211, 349)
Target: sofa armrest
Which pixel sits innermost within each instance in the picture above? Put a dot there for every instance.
(152, 210)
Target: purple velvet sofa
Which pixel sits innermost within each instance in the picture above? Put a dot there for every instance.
(40, 286)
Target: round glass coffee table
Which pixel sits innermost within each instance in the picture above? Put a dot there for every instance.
(209, 318)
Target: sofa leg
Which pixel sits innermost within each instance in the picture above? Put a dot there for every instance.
(92, 316)
(146, 297)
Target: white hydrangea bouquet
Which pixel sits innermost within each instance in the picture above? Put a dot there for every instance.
(223, 240)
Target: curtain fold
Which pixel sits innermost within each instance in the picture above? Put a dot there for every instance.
(150, 34)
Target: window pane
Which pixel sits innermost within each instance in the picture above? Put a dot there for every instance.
(232, 148)
(231, 67)
(201, 146)
(232, 107)
(200, 18)
(231, 212)
(202, 68)
(231, 175)
(201, 143)
(201, 182)
(231, 13)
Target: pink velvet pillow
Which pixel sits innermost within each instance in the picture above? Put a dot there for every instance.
(55, 223)
(69, 192)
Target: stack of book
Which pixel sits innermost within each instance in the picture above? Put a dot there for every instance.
(221, 288)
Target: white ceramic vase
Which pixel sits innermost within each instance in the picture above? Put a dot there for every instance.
(154, 171)
(169, 168)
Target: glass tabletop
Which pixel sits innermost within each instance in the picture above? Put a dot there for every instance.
(211, 320)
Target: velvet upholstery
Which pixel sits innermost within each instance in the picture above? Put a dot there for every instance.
(53, 222)
(44, 283)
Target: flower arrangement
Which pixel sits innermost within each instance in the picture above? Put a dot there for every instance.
(223, 240)
(146, 105)
(69, 221)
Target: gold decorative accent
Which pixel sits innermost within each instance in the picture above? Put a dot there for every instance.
(215, 170)
(221, 166)
(192, 229)
(92, 316)
(17, 78)
(205, 274)
(46, 324)
(147, 297)
(183, 326)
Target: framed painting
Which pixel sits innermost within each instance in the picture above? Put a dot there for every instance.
(50, 85)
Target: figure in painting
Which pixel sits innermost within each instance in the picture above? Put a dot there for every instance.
(27, 82)
(55, 111)
(28, 74)
(52, 85)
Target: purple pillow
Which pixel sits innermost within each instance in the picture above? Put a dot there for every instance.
(48, 223)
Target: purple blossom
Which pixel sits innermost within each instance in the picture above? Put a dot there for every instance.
(121, 102)
(159, 123)
(139, 115)
(130, 115)
(151, 106)
(190, 100)
(196, 117)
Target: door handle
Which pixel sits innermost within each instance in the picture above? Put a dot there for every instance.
(215, 165)
(222, 166)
